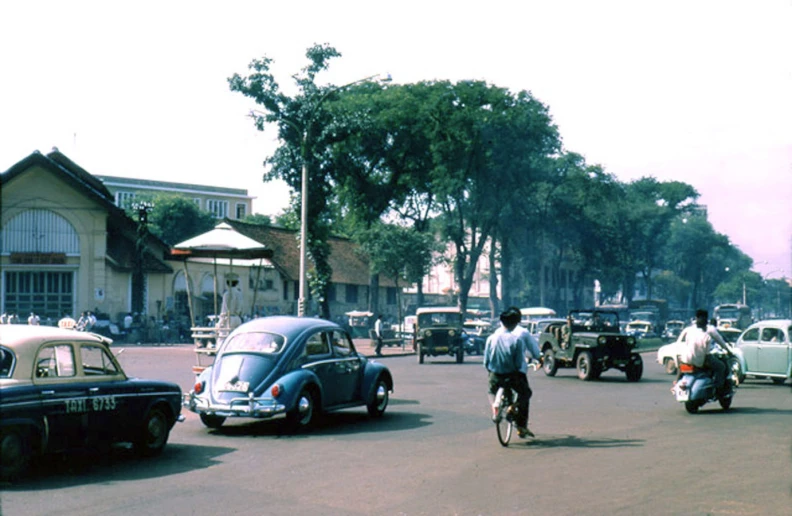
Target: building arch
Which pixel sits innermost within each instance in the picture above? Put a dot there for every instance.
(40, 231)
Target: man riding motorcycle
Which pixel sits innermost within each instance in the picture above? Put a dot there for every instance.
(701, 340)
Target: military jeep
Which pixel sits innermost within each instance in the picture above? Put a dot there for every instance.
(592, 344)
(438, 331)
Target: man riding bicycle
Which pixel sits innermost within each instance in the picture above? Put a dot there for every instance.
(505, 356)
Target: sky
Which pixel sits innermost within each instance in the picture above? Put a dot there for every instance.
(698, 91)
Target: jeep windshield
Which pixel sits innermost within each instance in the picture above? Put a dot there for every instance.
(595, 321)
(440, 319)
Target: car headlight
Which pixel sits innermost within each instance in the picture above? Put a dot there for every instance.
(428, 333)
(451, 333)
(631, 341)
(601, 339)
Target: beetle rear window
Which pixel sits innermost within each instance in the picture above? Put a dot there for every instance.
(259, 342)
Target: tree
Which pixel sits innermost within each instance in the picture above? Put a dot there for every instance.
(258, 218)
(174, 218)
(306, 131)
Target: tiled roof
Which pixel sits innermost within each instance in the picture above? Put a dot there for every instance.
(347, 264)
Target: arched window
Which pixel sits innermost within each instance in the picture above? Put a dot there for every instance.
(40, 231)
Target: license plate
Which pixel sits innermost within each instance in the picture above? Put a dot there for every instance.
(682, 394)
(236, 387)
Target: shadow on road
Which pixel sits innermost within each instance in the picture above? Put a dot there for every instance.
(335, 423)
(119, 464)
(573, 441)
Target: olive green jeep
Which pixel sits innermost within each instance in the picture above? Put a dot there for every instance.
(590, 341)
(439, 331)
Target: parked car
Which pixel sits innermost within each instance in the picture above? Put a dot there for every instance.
(641, 329)
(766, 350)
(595, 345)
(672, 330)
(476, 332)
(62, 389)
(438, 332)
(667, 354)
(295, 367)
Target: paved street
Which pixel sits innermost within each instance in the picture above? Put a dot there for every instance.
(605, 447)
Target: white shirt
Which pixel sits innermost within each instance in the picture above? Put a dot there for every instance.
(699, 343)
(378, 328)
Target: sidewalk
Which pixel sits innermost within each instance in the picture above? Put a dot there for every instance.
(366, 347)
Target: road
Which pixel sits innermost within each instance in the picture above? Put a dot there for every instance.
(604, 447)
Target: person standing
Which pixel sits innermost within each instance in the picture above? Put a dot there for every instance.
(378, 334)
(231, 311)
(34, 320)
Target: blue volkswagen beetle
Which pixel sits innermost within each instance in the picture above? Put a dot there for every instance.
(295, 367)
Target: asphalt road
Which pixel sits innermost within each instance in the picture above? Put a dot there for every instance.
(604, 447)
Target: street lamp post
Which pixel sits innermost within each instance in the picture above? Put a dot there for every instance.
(304, 152)
(138, 275)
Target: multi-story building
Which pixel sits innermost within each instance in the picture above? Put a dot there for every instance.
(232, 203)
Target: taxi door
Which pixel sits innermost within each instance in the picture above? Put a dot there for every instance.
(64, 398)
(107, 397)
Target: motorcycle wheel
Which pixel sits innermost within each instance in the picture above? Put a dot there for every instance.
(692, 406)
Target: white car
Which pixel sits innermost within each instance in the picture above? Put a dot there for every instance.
(667, 355)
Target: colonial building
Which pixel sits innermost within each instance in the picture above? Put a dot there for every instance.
(66, 247)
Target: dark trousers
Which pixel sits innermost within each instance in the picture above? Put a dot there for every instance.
(519, 383)
(718, 368)
(378, 349)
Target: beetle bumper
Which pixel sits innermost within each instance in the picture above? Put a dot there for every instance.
(250, 406)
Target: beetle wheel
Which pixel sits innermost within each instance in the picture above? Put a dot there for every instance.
(153, 433)
(212, 421)
(379, 402)
(14, 454)
(301, 416)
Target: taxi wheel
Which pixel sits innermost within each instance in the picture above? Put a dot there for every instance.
(14, 454)
(153, 433)
(303, 413)
(212, 421)
(379, 402)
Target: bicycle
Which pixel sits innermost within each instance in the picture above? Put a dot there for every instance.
(506, 405)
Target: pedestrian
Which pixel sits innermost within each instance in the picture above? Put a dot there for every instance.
(67, 322)
(34, 320)
(378, 334)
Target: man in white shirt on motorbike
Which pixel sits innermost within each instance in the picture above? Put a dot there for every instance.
(701, 340)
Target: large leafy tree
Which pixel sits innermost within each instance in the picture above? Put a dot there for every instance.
(307, 132)
(486, 145)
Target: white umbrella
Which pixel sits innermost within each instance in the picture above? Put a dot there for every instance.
(221, 242)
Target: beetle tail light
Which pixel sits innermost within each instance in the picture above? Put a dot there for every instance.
(276, 390)
(198, 387)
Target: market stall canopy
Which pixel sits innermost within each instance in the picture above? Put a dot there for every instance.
(221, 242)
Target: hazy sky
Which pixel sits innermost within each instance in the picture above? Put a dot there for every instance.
(692, 90)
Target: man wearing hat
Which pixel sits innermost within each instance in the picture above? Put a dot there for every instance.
(231, 311)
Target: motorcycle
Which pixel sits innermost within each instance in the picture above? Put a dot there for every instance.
(696, 387)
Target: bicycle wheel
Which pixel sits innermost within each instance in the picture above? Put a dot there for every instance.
(504, 425)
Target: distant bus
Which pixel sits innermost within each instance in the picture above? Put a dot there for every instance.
(733, 315)
(536, 312)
